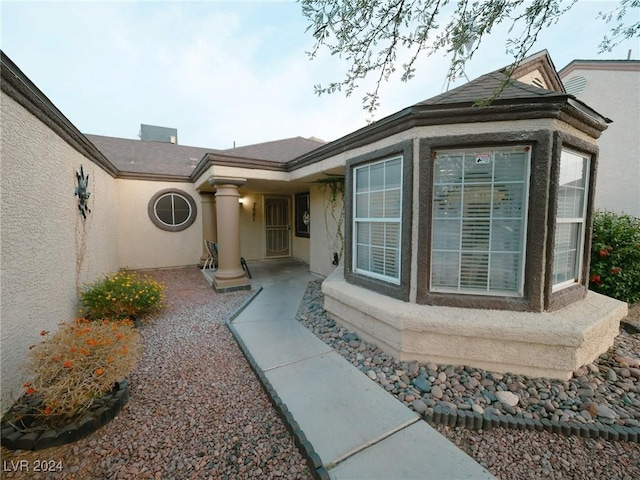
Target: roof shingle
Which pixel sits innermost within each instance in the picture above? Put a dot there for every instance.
(137, 156)
(278, 150)
(485, 86)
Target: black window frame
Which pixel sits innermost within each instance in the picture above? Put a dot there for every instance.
(302, 206)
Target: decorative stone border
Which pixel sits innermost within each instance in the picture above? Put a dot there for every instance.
(101, 412)
(437, 413)
(300, 439)
(473, 420)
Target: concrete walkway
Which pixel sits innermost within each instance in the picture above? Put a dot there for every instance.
(349, 426)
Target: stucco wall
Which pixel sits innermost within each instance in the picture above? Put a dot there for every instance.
(300, 247)
(324, 238)
(616, 94)
(556, 342)
(142, 244)
(48, 251)
(252, 232)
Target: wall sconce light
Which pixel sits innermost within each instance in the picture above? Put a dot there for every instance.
(241, 201)
(253, 212)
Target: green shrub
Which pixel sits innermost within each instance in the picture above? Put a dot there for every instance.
(79, 363)
(121, 295)
(615, 256)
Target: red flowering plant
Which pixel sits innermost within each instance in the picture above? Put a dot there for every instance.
(615, 256)
(82, 361)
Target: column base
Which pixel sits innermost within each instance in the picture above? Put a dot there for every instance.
(231, 284)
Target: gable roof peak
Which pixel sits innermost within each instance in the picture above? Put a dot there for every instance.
(536, 69)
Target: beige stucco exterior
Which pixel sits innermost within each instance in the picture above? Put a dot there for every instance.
(137, 233)
(613, 88)
(550, 345)
(48, 250)
(546, 344)
(325, 224)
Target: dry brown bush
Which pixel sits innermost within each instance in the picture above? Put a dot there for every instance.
(82, 361)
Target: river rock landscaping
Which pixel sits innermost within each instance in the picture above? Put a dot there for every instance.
(601, 397)
(197, 410)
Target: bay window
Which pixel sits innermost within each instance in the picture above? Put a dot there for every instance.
(479, 221)
(570, 219)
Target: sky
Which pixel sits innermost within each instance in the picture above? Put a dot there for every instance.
(234, 72)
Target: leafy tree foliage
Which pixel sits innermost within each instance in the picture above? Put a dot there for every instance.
(621, 30)
(370, 34)
(615, 256)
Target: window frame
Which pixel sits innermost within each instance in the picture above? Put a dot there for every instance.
(155, 219)
(399, 291)
(519, 293)
(302, 229)
(396, 280)
(580, 221)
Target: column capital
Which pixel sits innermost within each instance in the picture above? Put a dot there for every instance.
(232, 181)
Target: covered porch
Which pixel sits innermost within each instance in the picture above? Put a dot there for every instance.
(263, 215)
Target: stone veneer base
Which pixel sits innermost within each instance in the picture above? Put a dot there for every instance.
(549, 344)
(107, 407)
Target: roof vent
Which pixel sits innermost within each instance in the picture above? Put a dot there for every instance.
(575, 85)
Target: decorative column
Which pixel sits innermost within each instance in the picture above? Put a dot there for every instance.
(229, 276)
(209, 227)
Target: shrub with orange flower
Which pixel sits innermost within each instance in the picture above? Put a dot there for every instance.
(79, 363)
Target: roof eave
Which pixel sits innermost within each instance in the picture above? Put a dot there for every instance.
(21, 89)
(154, 177)
(352, 140)
(561, 107)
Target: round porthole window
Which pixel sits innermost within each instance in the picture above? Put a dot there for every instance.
(172, 210)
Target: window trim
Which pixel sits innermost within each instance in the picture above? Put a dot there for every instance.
(522, 253)
(536, 289)
(581, 221)
(399, 291)
(153, 216)
(382, 220)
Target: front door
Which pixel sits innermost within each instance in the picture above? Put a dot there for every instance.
(278, 227)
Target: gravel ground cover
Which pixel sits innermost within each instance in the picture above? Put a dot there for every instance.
(197, 410)
(606, 392)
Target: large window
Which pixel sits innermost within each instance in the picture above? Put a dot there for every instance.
(570, 219)
(480, 221)
(172, 210)
(377, 219)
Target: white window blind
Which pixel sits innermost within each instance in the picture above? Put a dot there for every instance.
(377, 219)
(570, 220)
(479, 221)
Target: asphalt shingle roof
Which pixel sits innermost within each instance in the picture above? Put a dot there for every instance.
(485, 86)
(278, 150)
(136, 156)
